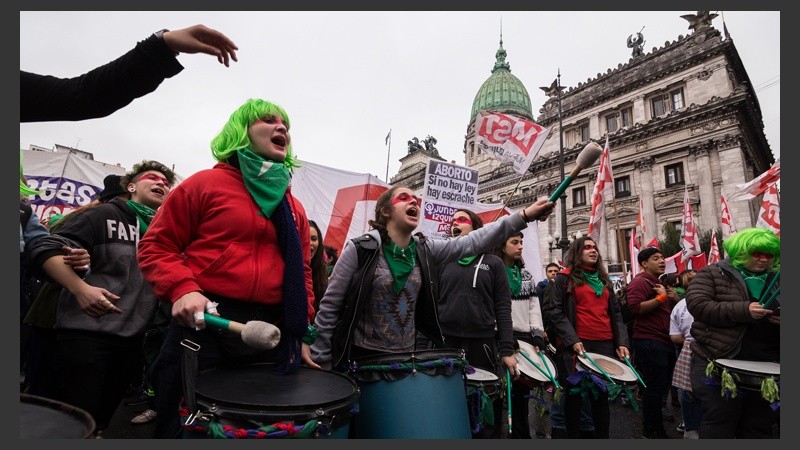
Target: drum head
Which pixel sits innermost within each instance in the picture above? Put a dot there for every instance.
(529, 369)
(44, 418)
(402, 357)
(764, 368)
(615, 368)
(255, 389)
(482, 375)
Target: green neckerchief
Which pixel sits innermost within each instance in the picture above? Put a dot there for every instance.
(467, 260)
(755, 282)
(681, 291)
(144, 213)
(265, 180)
(401, 262)
(514, 279)
(593, 280)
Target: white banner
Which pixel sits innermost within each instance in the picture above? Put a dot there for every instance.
(66, 180)
(509, 138)
(339, 201)
(447, 188)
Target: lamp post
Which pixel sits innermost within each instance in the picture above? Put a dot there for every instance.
(562, 243)
(557, 242)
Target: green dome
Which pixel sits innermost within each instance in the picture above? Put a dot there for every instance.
(502, 91)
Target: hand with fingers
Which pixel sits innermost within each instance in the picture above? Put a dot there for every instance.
(201, 39)
(96, 302)
(77, 258)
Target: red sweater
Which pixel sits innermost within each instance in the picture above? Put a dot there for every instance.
(210, 236)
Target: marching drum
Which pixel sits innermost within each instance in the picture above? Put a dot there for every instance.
(534, 375)
(616, 369)
(484, 399)
(44, 418)
(252, 402)
(416, 395)
(750, 374)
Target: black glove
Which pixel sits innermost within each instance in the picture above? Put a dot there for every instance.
(538, 342)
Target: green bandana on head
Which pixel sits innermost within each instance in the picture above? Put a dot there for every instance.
(514, 279)
(144, 213)
(266, 180)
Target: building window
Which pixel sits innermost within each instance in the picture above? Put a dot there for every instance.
(626, 115)
(611, 123)
(674, 174)
(667, 102)
(622, 186)
(579, 196)
(618, 119)
(584, 132)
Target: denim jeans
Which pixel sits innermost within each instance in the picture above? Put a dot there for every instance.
(691, 410)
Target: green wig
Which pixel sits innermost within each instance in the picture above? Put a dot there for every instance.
(233, 136)
(24, 190)
(740, 245)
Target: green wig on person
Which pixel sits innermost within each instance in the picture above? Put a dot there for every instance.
(740, 245)
(24, 190)
(233, 136)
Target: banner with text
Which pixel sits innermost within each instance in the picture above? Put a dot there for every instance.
(509, 138)
(447, 188)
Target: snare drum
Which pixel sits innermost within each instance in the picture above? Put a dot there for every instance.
(417, 395)
(750, 374)
(251, 402)
(534, 375)
(484, 400)
(616, 369)
(44, 418)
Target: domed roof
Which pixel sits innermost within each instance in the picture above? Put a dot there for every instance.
(502, 91)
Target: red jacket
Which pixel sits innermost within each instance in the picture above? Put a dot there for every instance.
(210, 236)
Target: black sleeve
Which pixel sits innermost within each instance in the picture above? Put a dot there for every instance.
(101, 91)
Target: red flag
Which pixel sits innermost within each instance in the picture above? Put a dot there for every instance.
(769, 216)
(757, 185)
(509, 138)
(728, 227)
(675, 263)
(653, 243)
(690, 241)
(713, 252)
(602, 188)
(698, 261)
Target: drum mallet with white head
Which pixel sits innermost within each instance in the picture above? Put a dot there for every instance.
(255, 333)
(585, 158)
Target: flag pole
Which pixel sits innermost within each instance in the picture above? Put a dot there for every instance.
(505, 202)
(620, 249)
(388, 152)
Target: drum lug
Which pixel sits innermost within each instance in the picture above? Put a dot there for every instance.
(324, 423)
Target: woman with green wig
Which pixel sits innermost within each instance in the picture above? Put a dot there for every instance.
(736, 308)
(231, 240)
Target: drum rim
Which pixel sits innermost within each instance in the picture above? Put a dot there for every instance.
(522, 363)
(455, 353)
(733, 368)
(595, 356)
(82, 415)
(232, 409)
(482, 380)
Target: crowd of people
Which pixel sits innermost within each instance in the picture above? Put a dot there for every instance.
(141, 269)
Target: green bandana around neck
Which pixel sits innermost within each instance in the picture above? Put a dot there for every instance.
(401, 262)
(755, 283)
(467, 260)
(144, 213)
(514, 279)
(681, 291)
(593, 280)
(266, 180)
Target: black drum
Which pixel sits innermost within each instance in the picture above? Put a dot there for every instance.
(44, 418)
(251, 402)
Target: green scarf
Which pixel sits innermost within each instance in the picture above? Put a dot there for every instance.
(755, 283)
(467, 260)
(593, 279)
(681, 291)
(144, 213)
(514, 279)
(266, 180)
(401, 262)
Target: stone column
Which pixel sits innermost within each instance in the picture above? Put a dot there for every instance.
(644, 169)
(708, 211)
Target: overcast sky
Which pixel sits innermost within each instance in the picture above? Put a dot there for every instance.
(347, 78)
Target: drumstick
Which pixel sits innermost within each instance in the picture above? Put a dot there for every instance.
(772, 297)
(765, 293)
(586, 355)
(585, 158)
(549, 374)
(255, 333)
(508, 395)
(525, 355)
(628, 362)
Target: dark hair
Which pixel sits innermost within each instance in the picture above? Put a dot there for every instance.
(646, 253)
(145, 166)
(684, 276)
(384, 202)
(669, 280)
(476, 220)
(499, 250)
(319, 268)
(552, 264)
(573, 260)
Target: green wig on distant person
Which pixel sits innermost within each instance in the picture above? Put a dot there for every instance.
(234, 137)
(24, 190)
(741, 244)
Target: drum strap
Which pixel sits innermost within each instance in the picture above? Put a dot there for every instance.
(189, 371)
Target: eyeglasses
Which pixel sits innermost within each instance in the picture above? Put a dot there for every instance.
(589, 247)
(761, 255)
(154, 177)
(405, 197)
(463, 220)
